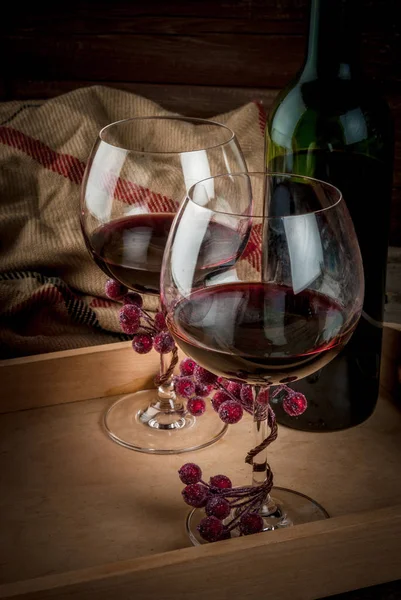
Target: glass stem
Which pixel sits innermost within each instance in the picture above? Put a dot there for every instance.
(165, 390)
(261, 431)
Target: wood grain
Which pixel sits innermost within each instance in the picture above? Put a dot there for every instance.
(227, 58)
(322, 558)
(72, 375)
(75, 507)
(72, 499)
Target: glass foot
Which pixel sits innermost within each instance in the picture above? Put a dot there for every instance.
(139, 422)
(291, 508)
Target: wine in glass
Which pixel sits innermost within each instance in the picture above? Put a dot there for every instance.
(287, 305)
(138, 173)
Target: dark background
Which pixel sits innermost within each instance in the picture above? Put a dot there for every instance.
(199, 58)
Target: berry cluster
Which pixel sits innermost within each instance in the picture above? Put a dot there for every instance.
(230, 399)
(228, 510)
(147, 332)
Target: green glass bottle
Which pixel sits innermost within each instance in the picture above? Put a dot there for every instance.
(330, 124)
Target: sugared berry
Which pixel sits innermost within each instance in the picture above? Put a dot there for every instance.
(184, 386)
(160, 321)
(226, 535)
(130, 318)
(264, 396)
(133, 298)
(142, 343)
(163, 342)
(202, 390)
(211, 529)
(219, 398)
(196, 406)
(223, 381)
(187, 366)
(221, 482)
(295, 404)
(234, 388)
(247, 396)
(250, 523)
(115, 290)
(217, 507)
(231, 412)
(204, 376)
(190, 473)
(195, 494)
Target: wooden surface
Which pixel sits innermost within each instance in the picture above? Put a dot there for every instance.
(197, 58)
(300, 563)
(73, 500)
(73, 375)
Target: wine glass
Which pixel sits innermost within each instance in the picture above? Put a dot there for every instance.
(138, 174)
(288, 303)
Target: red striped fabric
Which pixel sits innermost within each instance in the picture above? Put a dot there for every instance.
(262, 115)
(63, 164)
(73, 169)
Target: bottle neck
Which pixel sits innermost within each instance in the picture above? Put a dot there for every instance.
(333, 40)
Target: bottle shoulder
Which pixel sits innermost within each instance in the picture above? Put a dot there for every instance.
(344, 112)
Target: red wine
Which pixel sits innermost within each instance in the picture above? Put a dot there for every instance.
(131, 249)
(260, 333)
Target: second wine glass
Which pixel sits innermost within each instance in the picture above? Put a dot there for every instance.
(288, 302)
(138, 173)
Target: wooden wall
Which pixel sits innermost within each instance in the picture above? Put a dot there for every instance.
(195, 57)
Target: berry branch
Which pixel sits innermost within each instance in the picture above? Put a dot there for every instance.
(148, 332)
(228, 509)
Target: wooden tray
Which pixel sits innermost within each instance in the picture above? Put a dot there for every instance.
(85, 518)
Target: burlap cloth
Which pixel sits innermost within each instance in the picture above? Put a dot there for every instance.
(51, 292)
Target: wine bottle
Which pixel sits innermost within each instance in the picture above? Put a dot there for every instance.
(330, 124)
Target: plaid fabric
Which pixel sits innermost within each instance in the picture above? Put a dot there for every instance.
(51, 292)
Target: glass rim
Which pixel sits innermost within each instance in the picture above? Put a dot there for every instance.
(266, 174)
(192, 120)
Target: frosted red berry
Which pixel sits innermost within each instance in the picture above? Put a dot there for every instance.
(163, 342)
(184, 386)
(195, 494)
(211, 529)
(204, 376)
(218, 399)
(160, 321)
(264, 396)
(130, 318)
(226, 535)
(247, 396)
(295, 404)
(142, 343)
(231, 412)
(217, 507)
(133, 298)
(196, 406)
(203, 390)
(115, 290)
(234, 388)
(190, 473)
(221, 482)
(223, 381)
(187, 366)
(250, 523)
